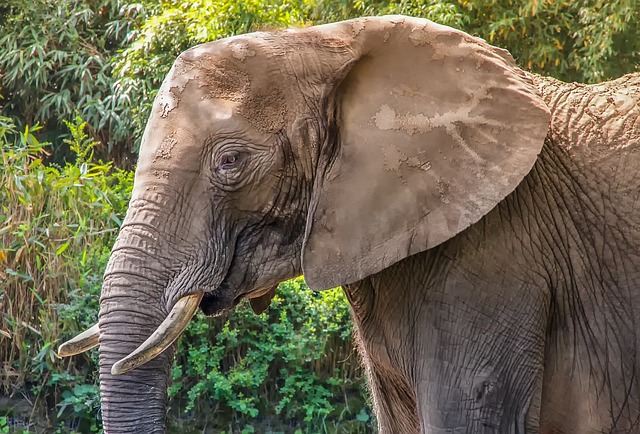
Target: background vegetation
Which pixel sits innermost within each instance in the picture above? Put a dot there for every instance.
(77, 78)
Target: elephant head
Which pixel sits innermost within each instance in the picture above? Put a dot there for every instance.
(333, 151)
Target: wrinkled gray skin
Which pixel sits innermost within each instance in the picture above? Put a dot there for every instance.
(492, 272)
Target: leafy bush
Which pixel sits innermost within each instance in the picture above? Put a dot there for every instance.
(56, 59)
(56, 228)
(580, 40)
(292, 367)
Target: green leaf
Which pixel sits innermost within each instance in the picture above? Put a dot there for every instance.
(62, 248)
(363, 416)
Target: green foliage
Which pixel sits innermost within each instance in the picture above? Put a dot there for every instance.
(289, 367)
(84, 400)
(56, 227)
(56, 59)
(581, 40)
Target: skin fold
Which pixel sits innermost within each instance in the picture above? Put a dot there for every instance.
(482, 221)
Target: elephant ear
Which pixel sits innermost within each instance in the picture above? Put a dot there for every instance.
(435, 127)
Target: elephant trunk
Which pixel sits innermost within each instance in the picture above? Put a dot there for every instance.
(130, 311)
(135, 402)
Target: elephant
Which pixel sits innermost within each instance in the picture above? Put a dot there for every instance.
(483, 222)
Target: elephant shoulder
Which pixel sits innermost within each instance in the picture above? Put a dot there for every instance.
(594, 120)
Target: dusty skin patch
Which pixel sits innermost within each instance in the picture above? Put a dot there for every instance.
(395, 159)
(444, 190)
(240, 51)
(596, 118)
(388, 119)
(410, 91)
(421, 36)
(181, 67)
(265, 109)
(357, 27)
(392, 157)
(416, 163)
(167, 102)
(167, 144)
(426, 36)
(222, 80)
(161, 174)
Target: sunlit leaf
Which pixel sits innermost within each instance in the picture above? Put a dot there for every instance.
(62, 248)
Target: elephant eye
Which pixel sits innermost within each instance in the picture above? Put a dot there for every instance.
(229, 160)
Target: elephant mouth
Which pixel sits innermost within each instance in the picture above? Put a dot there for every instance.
(216, 303)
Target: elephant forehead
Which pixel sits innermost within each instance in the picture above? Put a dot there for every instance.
(228, 69)
(180, 140)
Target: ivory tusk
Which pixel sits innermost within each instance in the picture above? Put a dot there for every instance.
(83, 342)
(165, 335)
